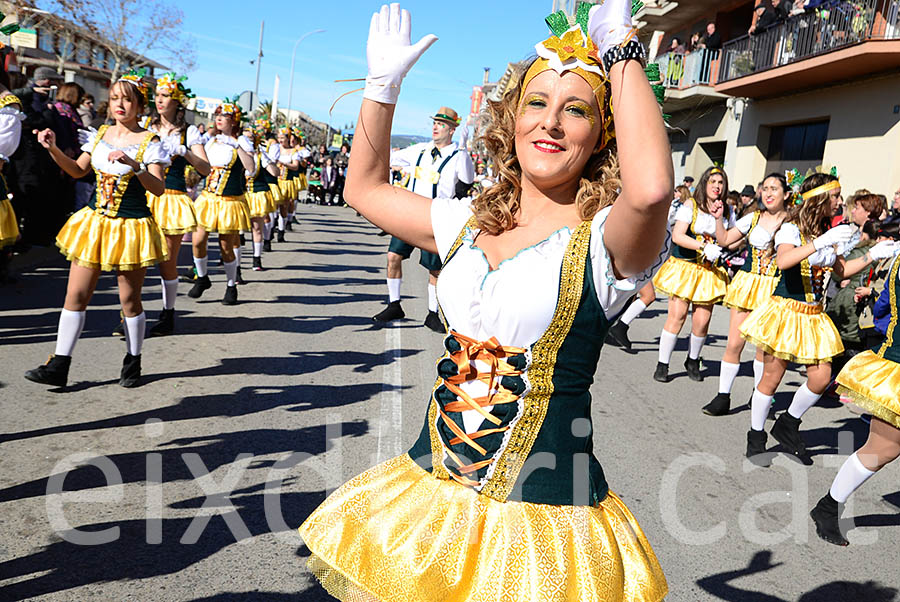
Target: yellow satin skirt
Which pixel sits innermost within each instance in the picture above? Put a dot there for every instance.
(111, 243)
(302, 183)
(873, 383)
(277, 197)
(289, 190)
(747, 290)
(173, 211)
(222, 214)
(397, 534)
(691, 281)
(260, 203)
(793, 331)
(9, 227)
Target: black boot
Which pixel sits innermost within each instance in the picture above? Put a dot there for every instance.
(267, 246)
(288, 226)
(281, 236)
(131, 371)
(188, 276)
(719, 406)
(693, 369)
(786, 431)
(392, 312)
(433, 321)
(54, 373)
(618, 335)
(827, 516)
(200, 284)
(257, 264)
(756, 448)
(230, 297)
(661, 375)
(119, 330)
(165, 325)
(239, 279)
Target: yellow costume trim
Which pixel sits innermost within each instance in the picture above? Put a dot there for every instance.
(793, 331)
(259, 203)
(110, 187)
(96, 241)
(749, 290)
(9, 99)
(222, 214)
(827, 187)
(173, 211)
(895, 313)
(9, 226)
(874, 384)
(692, 282)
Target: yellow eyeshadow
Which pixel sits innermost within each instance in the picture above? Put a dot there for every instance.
(529, 99)
(588, 111)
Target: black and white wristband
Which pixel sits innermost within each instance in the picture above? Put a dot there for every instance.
(632, 50)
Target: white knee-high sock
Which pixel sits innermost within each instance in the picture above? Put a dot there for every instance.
(759, 409)
(257, 249)
(201, 264)
(393, 285)
(70, 325)
(667, 342)
(802, 401)
(849, 478)
(696, 345)
(280, 222)
(636, 308)
(758, 368)
(134, 333)
(231, 271)
(170, 291)
(237, 255)
(432, 298)
(727, 373)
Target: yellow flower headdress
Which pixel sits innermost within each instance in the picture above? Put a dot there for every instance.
(135, 77)
(262, 126)
(230, 106)
(173, 84)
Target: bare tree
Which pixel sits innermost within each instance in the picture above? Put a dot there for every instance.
(65, 38)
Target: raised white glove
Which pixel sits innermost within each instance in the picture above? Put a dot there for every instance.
(609, 24)
(712, 252)
(245, 144)
(180, 150)
(839, 235)
(389, 53)
(843, 249)
(884, 249)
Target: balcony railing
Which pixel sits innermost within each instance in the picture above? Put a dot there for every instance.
(680, 71)
(833, 26)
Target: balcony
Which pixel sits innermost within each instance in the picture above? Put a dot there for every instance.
(844, 41)
(689, 78)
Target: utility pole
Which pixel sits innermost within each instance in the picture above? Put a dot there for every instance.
(259, 57)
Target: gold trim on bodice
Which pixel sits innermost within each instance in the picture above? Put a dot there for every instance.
(111, 187)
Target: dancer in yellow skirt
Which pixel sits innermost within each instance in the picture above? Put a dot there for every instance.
(289, 164)
(792, 325)
(273, 151)
(174, 209)
(752, 285)
(116, 231)
(872, 380)
(299, 143)
(222, 206)
(259, 198)
(462, 517)
(691, 277)
(11, 118)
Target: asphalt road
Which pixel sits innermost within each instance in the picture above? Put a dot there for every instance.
(195, 482)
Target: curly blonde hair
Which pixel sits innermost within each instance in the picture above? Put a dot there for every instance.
(813, 216)
(495, 209)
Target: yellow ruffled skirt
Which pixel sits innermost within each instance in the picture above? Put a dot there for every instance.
(691, 281)
(302, 183)
(277, 197)
(222, 214)
(173, 211)
(793, 331)
(111, 243)
(9, 227)
(260, 203)
(873, 383)
(397, 534)
(747, 290)
(289, 190)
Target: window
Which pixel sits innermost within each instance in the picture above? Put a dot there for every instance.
(46, 42)
(798, 142)
(99, 57)
(83, 54)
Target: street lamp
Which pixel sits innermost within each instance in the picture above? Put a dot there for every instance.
(293, 58)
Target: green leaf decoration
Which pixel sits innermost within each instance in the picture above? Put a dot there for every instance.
(558, 23)
(636, 5)
(652, 71)
(582, 15)
(833, 171)
(10, 29)
(660, 92)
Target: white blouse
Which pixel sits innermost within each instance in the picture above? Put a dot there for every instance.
(759, 237)
(789, 234)
(10, 131)
(219, 153)
(173, 140)
(155, 153)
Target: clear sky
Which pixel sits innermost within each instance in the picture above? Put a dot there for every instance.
(472, 35)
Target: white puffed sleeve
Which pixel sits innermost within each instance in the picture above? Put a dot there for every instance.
(685, 213)
(448, 216)
(274, 152)
(788, 234)
(156, 152)
(10, 131)
(745, 223)
(87, 138)
(613, 292)
(193, 136)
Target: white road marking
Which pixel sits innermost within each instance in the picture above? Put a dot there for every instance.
(390, 415)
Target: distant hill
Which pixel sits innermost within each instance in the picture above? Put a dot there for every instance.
(404, 140)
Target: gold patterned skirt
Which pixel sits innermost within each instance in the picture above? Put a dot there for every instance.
(748, 290)
(289, 190)
(111, 243)
(277, 197)
(9, 227)
(173, 211)
(397, 534)
(873, 383)
(691, 281)
(793, 331)
(260, 203)
(222, 214)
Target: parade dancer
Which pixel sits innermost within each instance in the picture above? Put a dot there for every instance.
(691, 277)
(115, 231)
(872, 380)
(11, 118)
(753, 284)
(437, 169)
(530, 284)
(792, 326)
(289, 167)
(222, 206)
(299, 143)
(273, 151)
(259, 199)
(174, 210)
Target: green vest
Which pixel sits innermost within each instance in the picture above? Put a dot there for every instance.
(120, 196)
(803, 282)
(228, 180)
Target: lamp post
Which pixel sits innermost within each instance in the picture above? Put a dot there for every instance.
(293, 58)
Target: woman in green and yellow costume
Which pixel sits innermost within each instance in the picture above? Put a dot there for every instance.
(792, 325)
(259, 197)
(174, 209)
(273, 151)
(116, 231)
(222, 206)
(289, 166)
(11, 118)
(299, 142)
(534, 272)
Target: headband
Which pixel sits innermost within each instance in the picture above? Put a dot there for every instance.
(136, 79)
(827, 187)
(172, 84)
(716, 170)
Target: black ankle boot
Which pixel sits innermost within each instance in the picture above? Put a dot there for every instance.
(230, 297)
(239, 279)
(719, 405)
(618, 335)
(165, 325)
(756, 448)
(281, 236)
(267, 246)
(827, 517)
(661, 374)
(54, 373)
(392, 312)
(201, 283)
(693, 369)
(786, 431)
(131, 371)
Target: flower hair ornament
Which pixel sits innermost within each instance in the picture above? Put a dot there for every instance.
(262, 126)
(135, 77)
(231, 107)
(172, 84)
(795, 181)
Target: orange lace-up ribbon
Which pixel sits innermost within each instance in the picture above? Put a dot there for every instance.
(492, 353)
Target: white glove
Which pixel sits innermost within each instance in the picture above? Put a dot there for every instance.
(843, 249)
(609, 24)
(712, 252)
(839, 235)
(884, 249)
(265, 160)
(245, 144)
(180, 150)
(389, 53)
